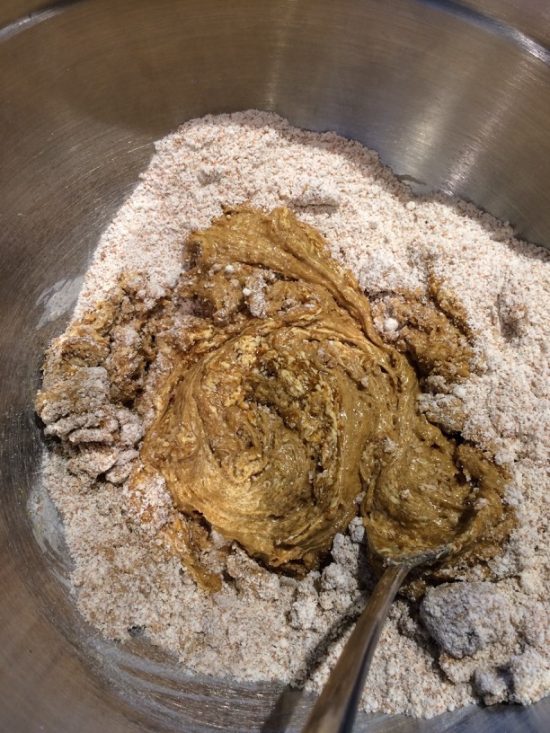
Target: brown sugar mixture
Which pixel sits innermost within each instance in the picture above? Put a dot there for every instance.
(274, 418)
(251, 402)
(277, 417)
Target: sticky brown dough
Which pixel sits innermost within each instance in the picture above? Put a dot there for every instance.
(288, 405)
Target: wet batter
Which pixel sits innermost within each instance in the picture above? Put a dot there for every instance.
(288, 405)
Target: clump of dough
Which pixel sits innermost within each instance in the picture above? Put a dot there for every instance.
(268, 402)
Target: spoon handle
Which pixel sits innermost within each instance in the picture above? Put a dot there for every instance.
(336, 707)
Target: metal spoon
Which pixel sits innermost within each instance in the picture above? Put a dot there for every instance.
(336, 707)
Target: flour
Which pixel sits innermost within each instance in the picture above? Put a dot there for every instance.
(267, 626)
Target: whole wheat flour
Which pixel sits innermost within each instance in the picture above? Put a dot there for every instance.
(476, 638)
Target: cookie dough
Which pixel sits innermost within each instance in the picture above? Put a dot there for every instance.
(288, 405)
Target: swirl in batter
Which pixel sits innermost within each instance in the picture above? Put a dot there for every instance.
(286, 405)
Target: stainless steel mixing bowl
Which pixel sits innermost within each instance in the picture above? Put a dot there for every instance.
(450, 97)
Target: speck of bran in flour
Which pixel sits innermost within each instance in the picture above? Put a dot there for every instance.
(428, 660)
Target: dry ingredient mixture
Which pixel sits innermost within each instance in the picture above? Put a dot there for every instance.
(264, 333)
